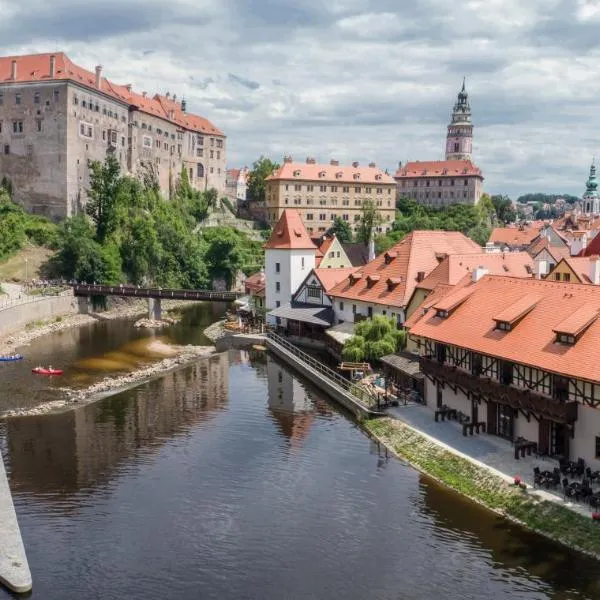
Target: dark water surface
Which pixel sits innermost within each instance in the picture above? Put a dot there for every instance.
(234, 479)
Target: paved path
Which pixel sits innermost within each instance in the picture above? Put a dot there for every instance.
(488, 451)
(14, 568)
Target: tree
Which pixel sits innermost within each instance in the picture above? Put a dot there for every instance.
(504, 208)
(261, 169)
(372, 339)
(369, 219)
(102, 195)
(342, 230)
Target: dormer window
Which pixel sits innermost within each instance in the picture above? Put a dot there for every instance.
(338, 175)
(322, 174)
(565, 338)
(356, 175)
(441, 313)
(378, 177)
(392, 282)
(354, 277)
(372, 280)
(389, 257)
(503, 325)
(575, 325)
(296, 173)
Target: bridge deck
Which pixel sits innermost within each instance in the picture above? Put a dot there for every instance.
(158, 293)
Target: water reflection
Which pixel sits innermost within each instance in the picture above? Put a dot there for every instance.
(63, 453)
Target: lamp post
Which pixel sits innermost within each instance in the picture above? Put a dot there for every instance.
(26, 261)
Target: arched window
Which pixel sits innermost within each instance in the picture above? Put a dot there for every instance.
(456, 147)
(200, 170)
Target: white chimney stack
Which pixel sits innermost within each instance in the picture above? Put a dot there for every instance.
(98, 76)
(371, 248)
(13, 70)
(595, 270)
(52, 66)
(478, 273)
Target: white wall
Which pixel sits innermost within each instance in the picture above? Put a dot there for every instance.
(295, 265)
(302, 293)
(587, 427)
(347, 314)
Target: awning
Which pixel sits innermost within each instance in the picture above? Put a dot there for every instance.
(404, 362)
(243, 301)
(342, 332)
(305, 313)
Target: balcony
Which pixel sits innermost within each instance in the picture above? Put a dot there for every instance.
(490, 390)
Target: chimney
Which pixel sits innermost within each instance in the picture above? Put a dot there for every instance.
(372, 165)
(168, 95)
(13, 70)
(183, 105)
(144, 94)
(334, 163)
(478, 273)
(594, 274)
(99, 76)
(52, 66)
(310, 160)
(355, 164)
(128, 87)
(420, 276)
(287, 158)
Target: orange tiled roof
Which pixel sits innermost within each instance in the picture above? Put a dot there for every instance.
(255, 282)
(36, 67)
(580, 265)
(438, 168)
(418, 252)
(440, 290)
(329, 278)
(514, 236)
(532, 340)
(330, 173)
(593, 248)
(557, 252)
(290, 233)
(455, 266)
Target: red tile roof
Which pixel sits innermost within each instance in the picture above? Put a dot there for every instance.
(290, 233)
(36, 67)
(330, 173)
(576, 322)
(439, 292)
(532, 340)
(329, 278)
(255, 282)
(418, 252)
(438, 168)
(593, 248)
(580, 265)
(514, 236)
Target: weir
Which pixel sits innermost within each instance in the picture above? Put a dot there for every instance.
(14, 568)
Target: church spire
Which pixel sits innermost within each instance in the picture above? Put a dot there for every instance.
(591, 198)
(459, 140)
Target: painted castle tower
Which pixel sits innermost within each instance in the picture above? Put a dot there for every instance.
(591, 199)
(459, 141)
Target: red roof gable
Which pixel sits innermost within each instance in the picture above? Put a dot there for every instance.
(290, 233)
(438, 168)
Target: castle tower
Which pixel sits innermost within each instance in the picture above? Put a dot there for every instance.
(591, 199)
(289, 257)
(459, 141)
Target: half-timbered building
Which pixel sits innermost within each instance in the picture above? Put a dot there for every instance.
(520, 356)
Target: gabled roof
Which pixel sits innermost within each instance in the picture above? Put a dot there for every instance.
(514, 236)
(290, 233)
(358, 254)
(533, 341)
(329, 278)
(438, 168)
(33, 68)
(579, 265)
(593, 248)
(439, 292)
(418, 252)
(330, 173)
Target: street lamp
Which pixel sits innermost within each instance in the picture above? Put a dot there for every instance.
(26, 261)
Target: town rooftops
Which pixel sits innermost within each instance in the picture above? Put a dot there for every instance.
(35, 68)
(438, 168)
(533, 340)
(593, 248)
(313, 171)
(514, 236)
(290, 233)
(391, 277)
(329, 278)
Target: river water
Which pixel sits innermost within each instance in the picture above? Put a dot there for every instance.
(233, 478)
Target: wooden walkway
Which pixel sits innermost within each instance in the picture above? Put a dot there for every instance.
(81, 289)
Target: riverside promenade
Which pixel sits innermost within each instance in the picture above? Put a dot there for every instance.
(14, 568)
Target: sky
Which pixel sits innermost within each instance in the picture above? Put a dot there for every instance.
(353, 79)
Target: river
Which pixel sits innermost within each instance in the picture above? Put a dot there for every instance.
(233, 478)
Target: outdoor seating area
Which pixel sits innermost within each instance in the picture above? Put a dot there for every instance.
(584, 485)
(445, 412)
(523, 446)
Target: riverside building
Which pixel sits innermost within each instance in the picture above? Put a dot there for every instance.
(322, 192)
(56, 117)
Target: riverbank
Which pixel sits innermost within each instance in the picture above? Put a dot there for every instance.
(177, 356)
(122, 308)
(492, 491)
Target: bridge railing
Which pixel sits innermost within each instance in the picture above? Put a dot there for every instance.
(360, 393)
(164, 293)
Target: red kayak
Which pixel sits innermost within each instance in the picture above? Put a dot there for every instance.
(45, 371)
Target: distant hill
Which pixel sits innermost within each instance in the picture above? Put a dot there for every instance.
(546, 198)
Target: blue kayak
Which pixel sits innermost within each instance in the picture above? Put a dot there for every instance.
(11, 358)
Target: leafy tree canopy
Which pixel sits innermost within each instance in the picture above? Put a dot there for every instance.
(342, 230)
(372, 339)
(261, 169)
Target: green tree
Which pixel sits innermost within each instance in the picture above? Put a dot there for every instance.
(102, 195)
(261, 169)
(342, 230)
(369, 219)
(372, 339)
(504, 208)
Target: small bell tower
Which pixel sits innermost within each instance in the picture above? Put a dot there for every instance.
(459, 141)
(591, 200)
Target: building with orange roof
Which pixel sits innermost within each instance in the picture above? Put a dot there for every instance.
(331, 254)
(323, 192)
(58, 117)
(518, 355)
(385, 285)
(455, 180)
(577, 269)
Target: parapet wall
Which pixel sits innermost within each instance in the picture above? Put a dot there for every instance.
(15, 317)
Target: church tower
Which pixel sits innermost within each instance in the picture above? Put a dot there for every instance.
(591, 199)
(459, 141)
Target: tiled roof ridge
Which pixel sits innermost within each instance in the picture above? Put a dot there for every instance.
(531, 282)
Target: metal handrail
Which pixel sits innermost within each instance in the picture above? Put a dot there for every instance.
(357, 391)
(26, 300)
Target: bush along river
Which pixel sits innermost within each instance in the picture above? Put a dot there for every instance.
(233, 478)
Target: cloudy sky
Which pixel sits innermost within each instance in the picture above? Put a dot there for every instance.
(354, 79)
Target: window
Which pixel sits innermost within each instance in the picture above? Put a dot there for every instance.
(466, 182)
(199, 152)
(564, 338)
(566, 276)
(36, 98)
(200, 140)
(97, 108)
(17, 98)
(310, 188)
(303, 262)
(452, 182)
(147, 141)
(313, 291)
(39, 125)
(219, 143)
(6, 149)
(277, 304)
(506, 373)
(597, 447)
(354, 309)
(380, 190)
(297, 188)
(456, 147)
(334, 188)
(277, 286)
(56, 94)
(17, 126)
(322, 188)
(122, 140)
(368, 190)
(212, 141)
(341, 306)
(200, 170)
(309, 216)
(277, 267)
(1, 99)
(346, 190)
(218, 154)
(441, 352)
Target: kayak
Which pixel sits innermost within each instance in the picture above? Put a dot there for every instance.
(11, 358)
(45, 371)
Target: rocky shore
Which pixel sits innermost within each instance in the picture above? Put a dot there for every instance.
(217, 331)
(181, 355)
(121, 308)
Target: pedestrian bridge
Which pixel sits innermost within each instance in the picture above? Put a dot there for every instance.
(154, 295)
